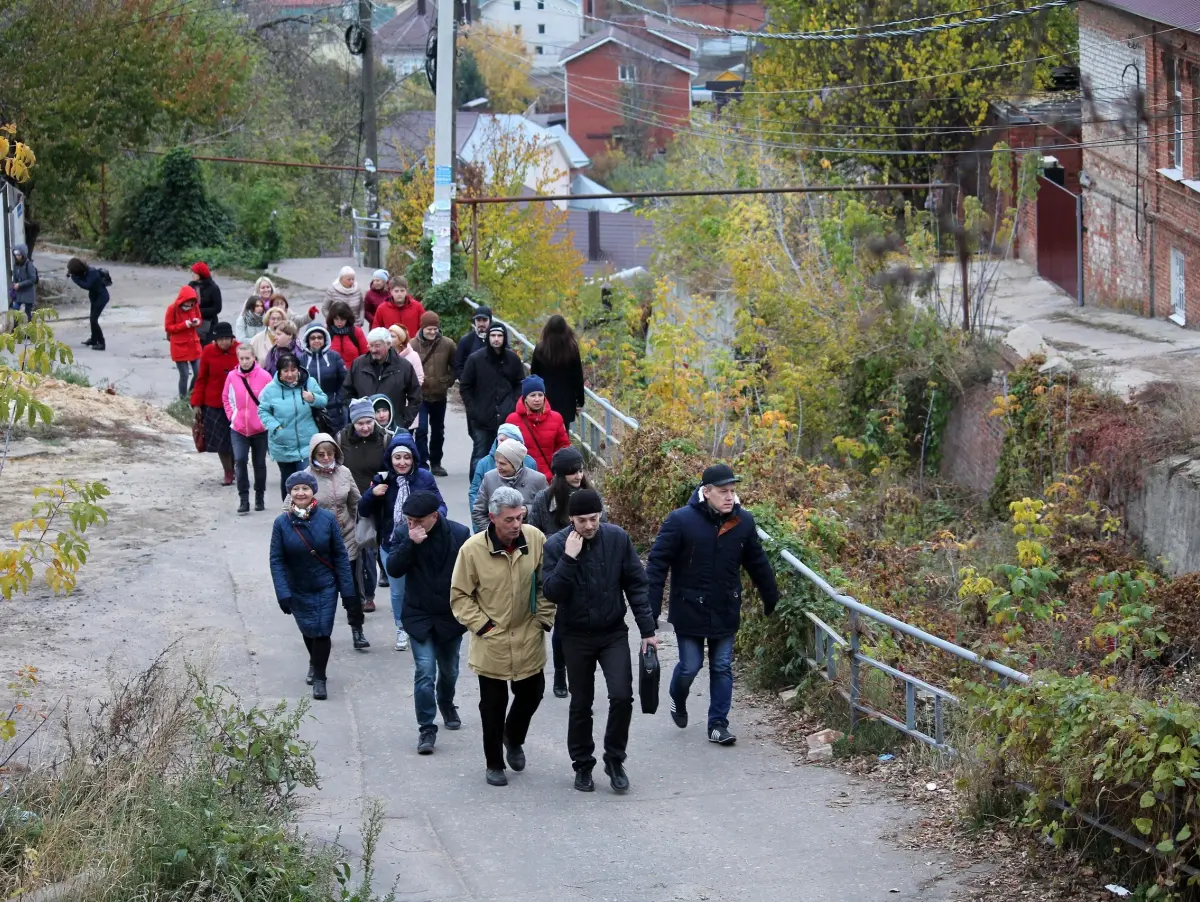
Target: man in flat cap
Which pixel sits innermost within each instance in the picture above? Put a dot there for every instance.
(591, 569)
(427, 546)
(704, 546)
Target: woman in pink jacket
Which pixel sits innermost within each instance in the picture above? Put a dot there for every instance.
(246, 431)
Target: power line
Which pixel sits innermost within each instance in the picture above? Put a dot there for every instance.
(1018, 13)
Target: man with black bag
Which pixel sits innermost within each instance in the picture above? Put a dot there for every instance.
(590, 569)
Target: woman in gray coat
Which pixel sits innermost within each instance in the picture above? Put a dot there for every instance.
(512, 472)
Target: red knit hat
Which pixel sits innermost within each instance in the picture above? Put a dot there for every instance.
(200, 268)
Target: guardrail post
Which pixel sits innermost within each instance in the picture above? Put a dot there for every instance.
(855, 687)
(910, 705)
(607, 423)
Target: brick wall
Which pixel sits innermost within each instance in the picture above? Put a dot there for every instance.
(973, 440)
(1115, 247)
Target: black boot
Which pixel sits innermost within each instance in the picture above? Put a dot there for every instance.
(360, 641)
(309, 678)
(320, 693)
(560, 683)
(259, 505)
(244, 506)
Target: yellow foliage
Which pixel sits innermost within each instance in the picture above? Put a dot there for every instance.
(504, 62)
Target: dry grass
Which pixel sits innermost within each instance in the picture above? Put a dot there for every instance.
(1174, 424)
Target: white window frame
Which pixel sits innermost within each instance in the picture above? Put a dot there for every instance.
(1178, 287)
(626, 72)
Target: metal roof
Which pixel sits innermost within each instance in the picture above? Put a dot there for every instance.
(1182, 14)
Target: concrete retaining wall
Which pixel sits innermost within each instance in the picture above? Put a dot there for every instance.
(1165, 514)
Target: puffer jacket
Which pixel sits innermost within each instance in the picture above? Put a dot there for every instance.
(381, 508)
(705, 553)
(240, 408)
(589, 591)
(328, 368)
(215, 366)
(542, 433)
(339, 292)
(488, 463)
(371, 301)
(437, 359)
(300, 577)
(288, 418)
(499, 599)
(392, 314)
(185, 339)
(362, 455)
(528, 482)
(336, 491)
(242, 330)
(428, 569)
(491, 385)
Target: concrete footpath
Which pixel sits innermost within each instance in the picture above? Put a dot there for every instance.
(702, 822)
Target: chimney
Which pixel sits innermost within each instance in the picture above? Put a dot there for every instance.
(595, 255)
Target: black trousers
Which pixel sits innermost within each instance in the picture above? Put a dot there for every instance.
(499, 721)
(95, 309)
(318, 654)
(431, 432)
(583, 652)
(286, 469)
(556, 649)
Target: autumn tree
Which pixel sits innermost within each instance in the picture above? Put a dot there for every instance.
(526, 260)
(503, 61)
(91, 78)
(919, 93)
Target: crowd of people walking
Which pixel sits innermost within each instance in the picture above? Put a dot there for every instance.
(349, 399)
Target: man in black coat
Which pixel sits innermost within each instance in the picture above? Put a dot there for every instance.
(381, 371)
(590, 569)
(490, 386)
(704, 545)
(475, 340)
(426, 548)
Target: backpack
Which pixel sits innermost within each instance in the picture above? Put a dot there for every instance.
(105, 278)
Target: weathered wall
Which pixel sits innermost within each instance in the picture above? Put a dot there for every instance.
(973, 439)
(1165, 514)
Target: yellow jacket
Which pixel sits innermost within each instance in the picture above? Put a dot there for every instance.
(489, 587)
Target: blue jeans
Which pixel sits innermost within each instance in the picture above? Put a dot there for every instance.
(434, 660)
(720, 674)
(396, 586)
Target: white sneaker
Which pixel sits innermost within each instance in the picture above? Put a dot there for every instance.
(401, 640)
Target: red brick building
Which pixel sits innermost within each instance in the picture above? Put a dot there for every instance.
(1141, 160)
(627, 88)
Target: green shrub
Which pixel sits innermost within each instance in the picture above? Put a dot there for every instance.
(181, 410)
(445, 299)
(72, 374)
(1133, 763)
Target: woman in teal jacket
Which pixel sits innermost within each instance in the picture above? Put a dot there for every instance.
(286, 410)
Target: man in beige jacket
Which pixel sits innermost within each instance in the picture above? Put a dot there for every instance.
(496, 593)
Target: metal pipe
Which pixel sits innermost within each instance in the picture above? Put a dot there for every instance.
(475, 245)
(709, 192)
(285, 163)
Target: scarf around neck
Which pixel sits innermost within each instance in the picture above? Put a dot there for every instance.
(343, 290)
(402, 492)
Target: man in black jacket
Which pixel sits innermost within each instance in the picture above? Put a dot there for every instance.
(590, 569)
(381, 371)
(490, 386)
(426, 548)
(704, 545)
(475, 340)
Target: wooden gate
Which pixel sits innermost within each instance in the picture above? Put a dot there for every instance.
(1060, 237)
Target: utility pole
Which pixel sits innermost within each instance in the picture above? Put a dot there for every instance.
(370, 139)
(443, 142)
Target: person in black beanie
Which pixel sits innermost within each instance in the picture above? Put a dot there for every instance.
(426, 547)
(591, 569)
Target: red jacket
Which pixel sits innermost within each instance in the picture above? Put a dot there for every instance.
(372, 301)
(185, 341)
(544, 433)
(215, 364)
(408, 316)
(349, 348)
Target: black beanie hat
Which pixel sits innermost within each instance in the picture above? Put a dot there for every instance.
(420, 504)
(584, 502)
(566, 461)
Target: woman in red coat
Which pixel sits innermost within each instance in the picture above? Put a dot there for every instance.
(217, 360)
(345, 336)
(182, 324)
(542, 428)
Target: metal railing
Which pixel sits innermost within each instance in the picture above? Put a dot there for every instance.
(828, 643)
(598, 437)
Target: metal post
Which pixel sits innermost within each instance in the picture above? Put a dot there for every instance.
(966, 300)
(855, 687)
(370, 139)
(475, 244)
(443, 143)
(1079, 247)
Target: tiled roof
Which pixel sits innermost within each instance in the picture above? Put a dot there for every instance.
(638, 45)
(407, 30)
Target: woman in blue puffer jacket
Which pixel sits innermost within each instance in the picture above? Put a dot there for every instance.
(383, 501)
(285, 408)
(327, 367)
